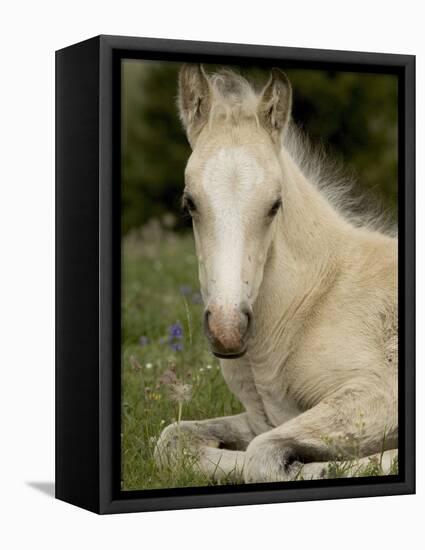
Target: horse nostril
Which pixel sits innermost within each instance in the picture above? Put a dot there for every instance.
(246, 324)
(207, 314)
(249, 315)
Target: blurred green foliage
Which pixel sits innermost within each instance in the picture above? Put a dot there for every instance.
(354, 115)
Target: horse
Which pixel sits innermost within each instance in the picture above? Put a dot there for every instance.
(300, 296)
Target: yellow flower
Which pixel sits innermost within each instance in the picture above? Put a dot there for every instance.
(154, 396)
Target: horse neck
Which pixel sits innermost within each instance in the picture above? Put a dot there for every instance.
(304, 252)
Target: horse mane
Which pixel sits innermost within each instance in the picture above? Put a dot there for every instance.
(360, 208)
(235, 98)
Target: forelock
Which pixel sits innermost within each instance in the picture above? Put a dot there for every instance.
(233, 98)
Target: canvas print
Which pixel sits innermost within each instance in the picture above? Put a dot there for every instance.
(259, 263)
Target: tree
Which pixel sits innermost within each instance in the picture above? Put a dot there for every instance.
(353, 114)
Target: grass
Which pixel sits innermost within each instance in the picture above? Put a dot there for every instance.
(161, 291)
(162, 334)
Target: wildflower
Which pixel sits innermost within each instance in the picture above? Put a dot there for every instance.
(209, 367)
(185, 290)
(180, 392)
(148, 366)
(153, 396)
(176, 346)
(143, 341)
(134, 363)
(168, 377)
(175, 335)
(176, 331)
(201, 369)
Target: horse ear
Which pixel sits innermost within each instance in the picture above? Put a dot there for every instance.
(274, 109)
(194, 100)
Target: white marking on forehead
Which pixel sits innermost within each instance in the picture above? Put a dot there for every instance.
(233, 171)
(230, 179)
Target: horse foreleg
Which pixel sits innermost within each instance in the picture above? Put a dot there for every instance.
(222, 464)
(215, 446)
(351, 424)
(383, 462)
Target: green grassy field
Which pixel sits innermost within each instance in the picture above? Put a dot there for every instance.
(161, 298)
(162, 333)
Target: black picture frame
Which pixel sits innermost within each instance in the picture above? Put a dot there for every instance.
(88, 275)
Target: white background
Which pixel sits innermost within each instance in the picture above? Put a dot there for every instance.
(30, 31)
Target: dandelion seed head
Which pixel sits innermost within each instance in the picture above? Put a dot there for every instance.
(180, 392)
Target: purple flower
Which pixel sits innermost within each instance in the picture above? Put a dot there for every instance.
(143, 341)
(175, 335)
(176, 346)
(185, 290)
(176, 331)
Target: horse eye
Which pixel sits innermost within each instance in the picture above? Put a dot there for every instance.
(276, 205)
(189, 203)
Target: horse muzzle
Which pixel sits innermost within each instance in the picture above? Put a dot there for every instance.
(228, 329)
